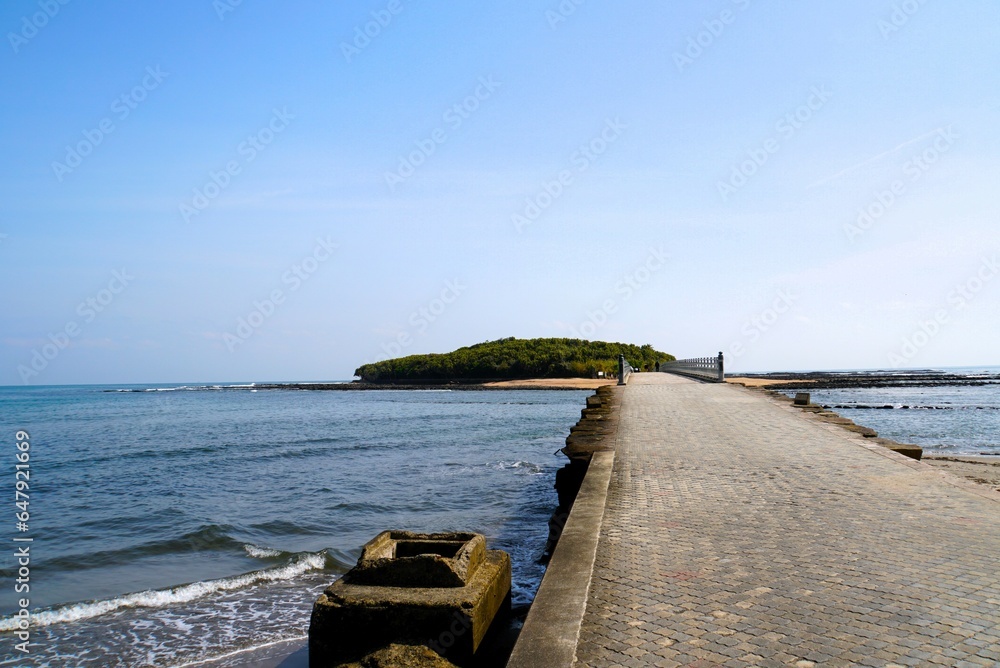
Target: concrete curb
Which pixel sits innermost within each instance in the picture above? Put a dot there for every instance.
(552, 629)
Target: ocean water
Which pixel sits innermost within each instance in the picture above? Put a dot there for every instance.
(174, 524)
(944, 420)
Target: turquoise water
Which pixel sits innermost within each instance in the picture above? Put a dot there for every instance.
(178, 523)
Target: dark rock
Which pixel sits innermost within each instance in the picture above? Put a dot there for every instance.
(401, 656)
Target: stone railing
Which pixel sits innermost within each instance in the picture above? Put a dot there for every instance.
(703, 368)
(624, 370)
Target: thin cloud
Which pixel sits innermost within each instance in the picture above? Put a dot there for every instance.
(876, 158)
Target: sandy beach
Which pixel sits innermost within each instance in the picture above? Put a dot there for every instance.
(554, 383)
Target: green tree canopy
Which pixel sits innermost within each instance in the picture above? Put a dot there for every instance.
(511, 358)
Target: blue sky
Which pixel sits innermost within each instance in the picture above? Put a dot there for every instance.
(211, 191)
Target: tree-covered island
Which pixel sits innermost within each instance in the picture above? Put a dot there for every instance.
(513, 359)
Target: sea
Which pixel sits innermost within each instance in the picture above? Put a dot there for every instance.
(173, 525)
(949, 420)
(169, 525)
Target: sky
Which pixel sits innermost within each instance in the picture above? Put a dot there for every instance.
(233, 190)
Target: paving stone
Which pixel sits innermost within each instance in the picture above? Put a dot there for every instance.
(748, 534)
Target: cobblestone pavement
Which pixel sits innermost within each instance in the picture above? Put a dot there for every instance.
(738, 532)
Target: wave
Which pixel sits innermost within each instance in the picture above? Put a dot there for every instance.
(286, 528)
(311, 441)
(258, 552)
(517, 467)
(212, 537)
(161, 598)
(248, 449)
(188, 388)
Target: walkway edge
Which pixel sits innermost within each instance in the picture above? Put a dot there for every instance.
(552, 629)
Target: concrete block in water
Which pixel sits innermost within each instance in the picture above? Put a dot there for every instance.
(802, 398)
(908, 449)
(911, 451)
(355, 616)
(407, 559)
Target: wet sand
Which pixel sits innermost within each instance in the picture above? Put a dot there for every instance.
(983, 470)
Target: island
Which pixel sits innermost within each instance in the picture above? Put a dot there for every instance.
(513, 359)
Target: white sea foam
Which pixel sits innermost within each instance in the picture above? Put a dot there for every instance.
(258, 552)
(521, 467)
(166, 597)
